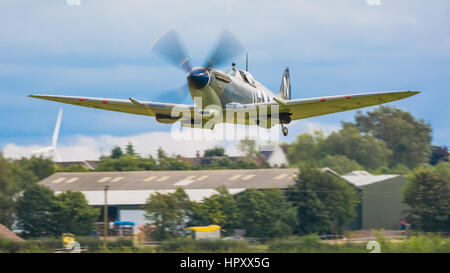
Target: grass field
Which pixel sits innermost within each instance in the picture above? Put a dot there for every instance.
(429, 243)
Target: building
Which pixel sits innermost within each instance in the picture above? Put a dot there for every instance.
(8, 234)
(275, 156)
(128, 191)
(381, 199)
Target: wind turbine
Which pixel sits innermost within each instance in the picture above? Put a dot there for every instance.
(54, 141)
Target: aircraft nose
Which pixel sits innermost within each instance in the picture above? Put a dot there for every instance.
(198, 77)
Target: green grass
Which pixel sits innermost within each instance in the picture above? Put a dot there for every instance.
(430, 243)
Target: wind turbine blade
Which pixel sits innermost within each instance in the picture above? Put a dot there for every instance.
(42, 150)
(56, 131)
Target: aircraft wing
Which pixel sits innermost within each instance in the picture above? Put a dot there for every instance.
(312, 107)
(131, 106)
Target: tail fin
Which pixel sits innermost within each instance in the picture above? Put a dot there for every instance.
(285, 88)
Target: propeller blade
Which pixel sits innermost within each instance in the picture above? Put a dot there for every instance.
(228, 46)
(170, 47)
(177, 95)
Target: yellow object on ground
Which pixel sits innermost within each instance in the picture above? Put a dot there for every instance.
(67, 238)
(206, 228)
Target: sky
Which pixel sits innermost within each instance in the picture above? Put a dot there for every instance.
(102, 48)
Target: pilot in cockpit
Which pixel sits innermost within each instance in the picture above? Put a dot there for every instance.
(232, 71)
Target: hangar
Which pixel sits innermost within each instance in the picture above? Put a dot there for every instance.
(381, 201)
(128, 191)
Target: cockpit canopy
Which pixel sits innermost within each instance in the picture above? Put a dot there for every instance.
(232, 72)
(244, 75)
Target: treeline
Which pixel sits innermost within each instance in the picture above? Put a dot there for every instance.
(317, 203)
(129, 160)
(36, 209)
(17, 176)
(386, 140)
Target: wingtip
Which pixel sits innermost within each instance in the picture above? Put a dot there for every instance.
(410, 93)
(35, 96)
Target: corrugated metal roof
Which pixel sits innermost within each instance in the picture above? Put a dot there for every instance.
(167, 180)
(133, 188)
(363, 178)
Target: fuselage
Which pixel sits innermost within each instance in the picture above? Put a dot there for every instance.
(234, 87)
(230, 93)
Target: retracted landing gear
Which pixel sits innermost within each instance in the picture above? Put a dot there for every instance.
(284, 129)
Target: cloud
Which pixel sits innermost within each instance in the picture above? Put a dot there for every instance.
(302, 126)
(81, 147)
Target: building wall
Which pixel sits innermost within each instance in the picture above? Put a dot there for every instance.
(277, 158)
(382, 205)
(133, 214)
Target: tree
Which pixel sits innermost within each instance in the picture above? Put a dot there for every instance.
(306, 148)
(364, 149)
(116, 152)
(245, 163)
(163, 159)
(216, 151)
(438, 153)
(266, 213)
(22, 176)
(219, 209)
(248, 147)
(166, 212)
(73, 168)
(220, 163)
(324, 202)
(428, 195)
(7, 189)
(127, 163)
(409, 139)
(72, 214)
(41, 213)
(34, 211)
(129, 150)
(40, 166)
(176, 164)
(340, 164)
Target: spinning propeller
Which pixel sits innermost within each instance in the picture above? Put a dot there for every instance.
(170, 47)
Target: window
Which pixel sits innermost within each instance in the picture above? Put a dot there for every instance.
(232, 72)
(247, 78)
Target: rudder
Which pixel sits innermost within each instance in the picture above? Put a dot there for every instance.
(285, 88)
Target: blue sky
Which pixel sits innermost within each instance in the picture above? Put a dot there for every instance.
(102, 49)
